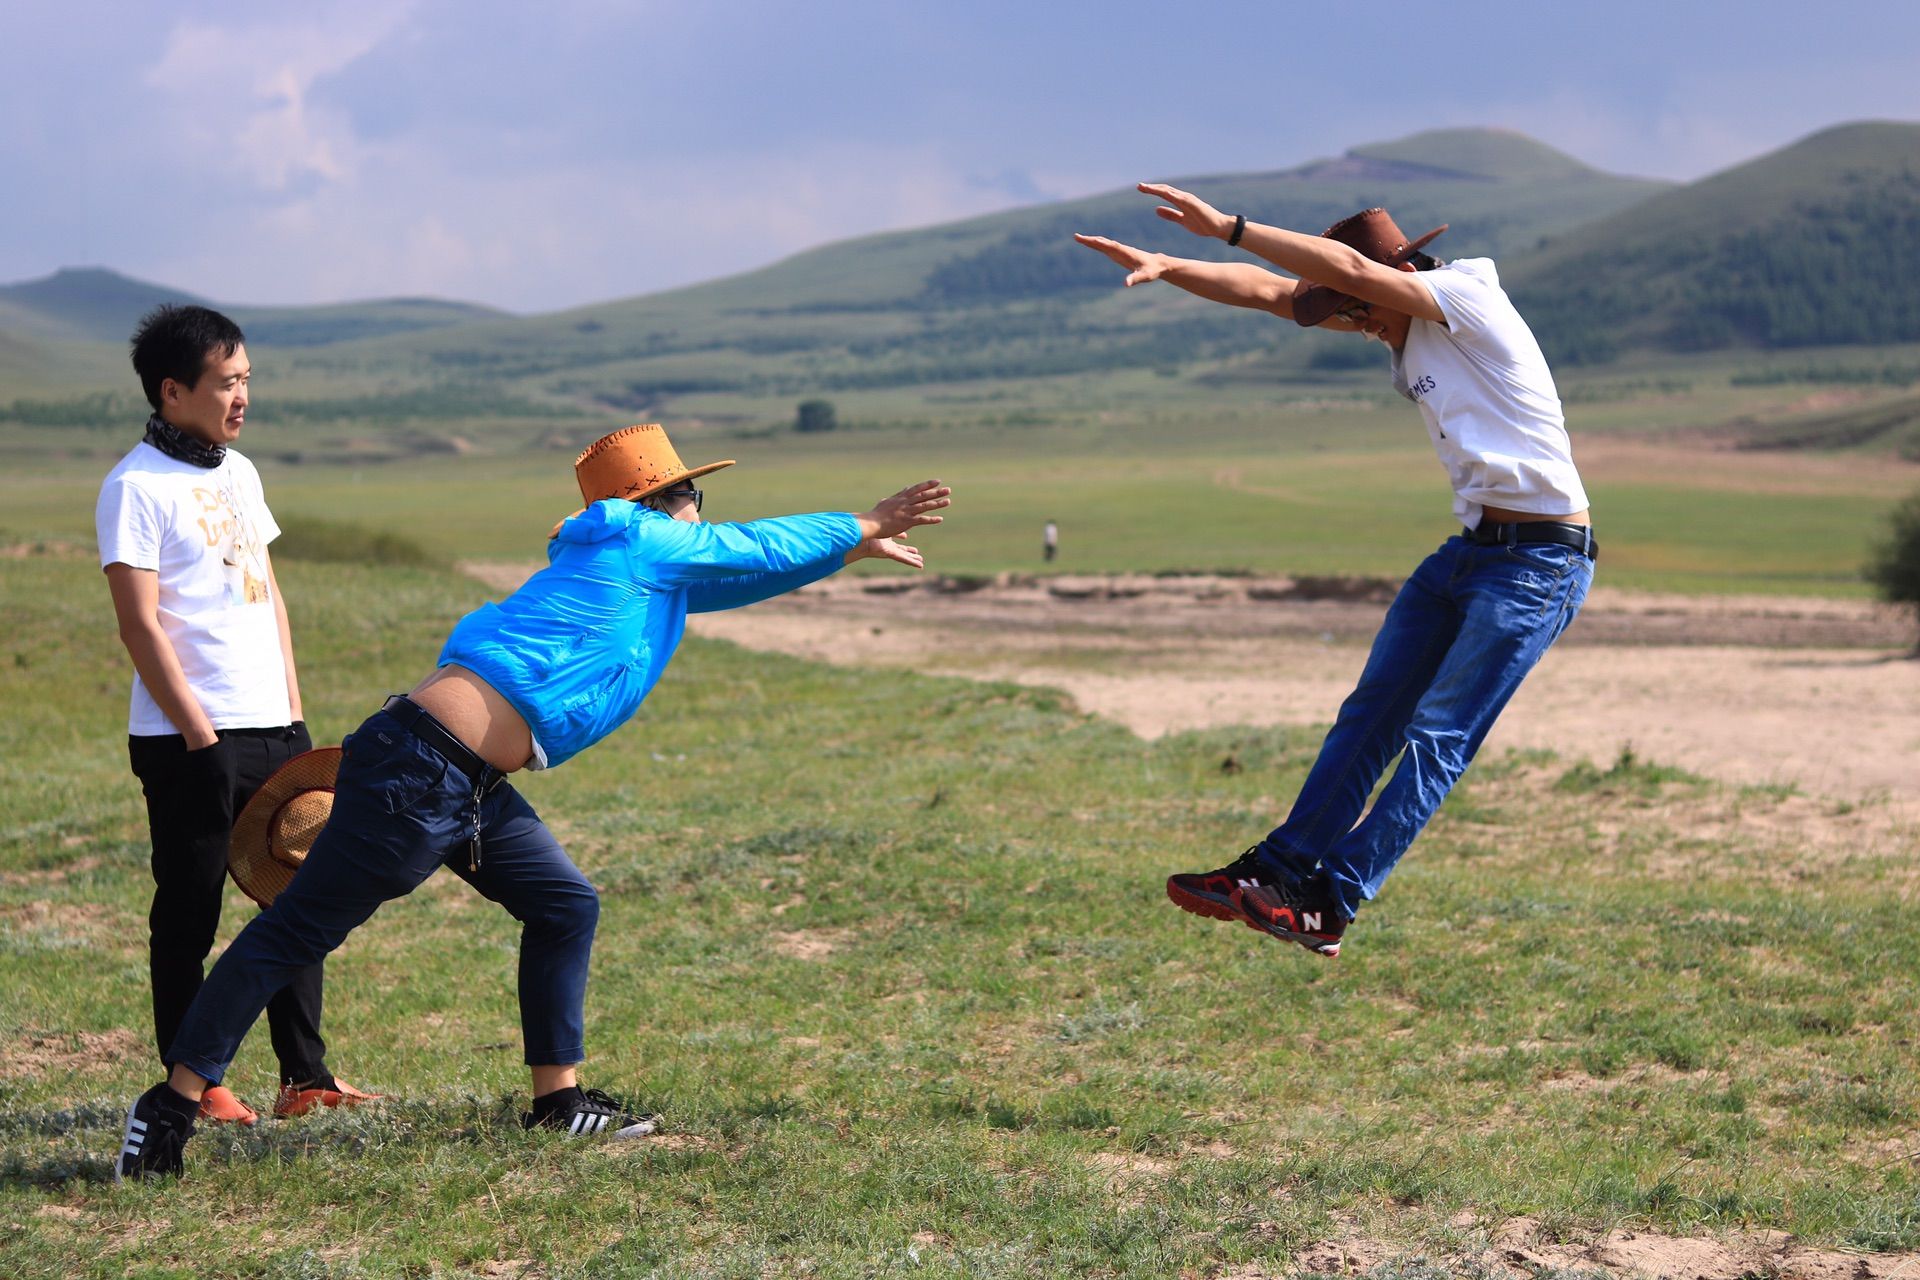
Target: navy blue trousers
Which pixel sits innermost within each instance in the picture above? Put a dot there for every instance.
(401, 811)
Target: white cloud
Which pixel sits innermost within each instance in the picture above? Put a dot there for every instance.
(542, 158)
(407, 221)
(318, 212)
(240, 92)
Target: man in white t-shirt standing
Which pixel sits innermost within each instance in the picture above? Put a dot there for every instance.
(1475, 616)
(183, 528)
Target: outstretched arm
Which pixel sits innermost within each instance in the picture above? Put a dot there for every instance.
(881, 530)
(1237, 284)
(1314, 258)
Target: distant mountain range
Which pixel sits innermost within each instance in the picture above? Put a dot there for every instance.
(1806, 246)
(93, 304)
(1008, 295)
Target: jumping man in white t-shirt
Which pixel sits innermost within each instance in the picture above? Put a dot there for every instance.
(183, 529)
(1475, 616)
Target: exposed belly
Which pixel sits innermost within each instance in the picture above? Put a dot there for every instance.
(474, 712)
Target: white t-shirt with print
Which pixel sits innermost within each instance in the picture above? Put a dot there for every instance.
(204, 532)
(1492, 410)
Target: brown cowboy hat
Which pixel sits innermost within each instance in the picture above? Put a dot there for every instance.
(632, 463)
(1372, 232)
(278, 826)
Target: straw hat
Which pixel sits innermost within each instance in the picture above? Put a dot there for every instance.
(1374, 233)
(632, 463)
(279, 824)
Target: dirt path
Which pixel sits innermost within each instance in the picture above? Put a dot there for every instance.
(1519, 1247)
(1808, 693)
(1765, 691)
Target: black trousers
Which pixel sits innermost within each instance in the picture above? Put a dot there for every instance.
(192, 798)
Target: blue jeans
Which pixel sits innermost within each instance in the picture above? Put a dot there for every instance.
(401, 811)
(1458, 640)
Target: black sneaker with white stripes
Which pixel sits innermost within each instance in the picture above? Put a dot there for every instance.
(585, 1114)
(158, 1125)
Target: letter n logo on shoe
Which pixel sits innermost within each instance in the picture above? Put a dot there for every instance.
(1310, 921)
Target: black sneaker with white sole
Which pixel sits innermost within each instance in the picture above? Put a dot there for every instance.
(158, 1125)
(586, 1113)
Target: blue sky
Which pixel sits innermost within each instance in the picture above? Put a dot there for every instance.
(537, 157)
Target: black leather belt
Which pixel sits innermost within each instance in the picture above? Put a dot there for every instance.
(1556, 531)
(420, 723)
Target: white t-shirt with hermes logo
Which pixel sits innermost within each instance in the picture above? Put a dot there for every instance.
(1492, 410)
(204, 532)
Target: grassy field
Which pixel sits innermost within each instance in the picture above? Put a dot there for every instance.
(889, 956)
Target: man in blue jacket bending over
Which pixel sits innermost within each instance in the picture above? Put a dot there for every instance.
(524, 684)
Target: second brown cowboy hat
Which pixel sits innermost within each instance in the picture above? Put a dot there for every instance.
(273, 833)
(1372, 232)
(632, 463)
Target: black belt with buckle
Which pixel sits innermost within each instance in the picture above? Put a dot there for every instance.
(1579, 536)
(421, 724)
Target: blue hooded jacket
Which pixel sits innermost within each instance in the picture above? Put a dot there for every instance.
(578, 647)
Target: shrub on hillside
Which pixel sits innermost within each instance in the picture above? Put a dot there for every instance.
(335, 542)
(1895, 567)
(815, 415)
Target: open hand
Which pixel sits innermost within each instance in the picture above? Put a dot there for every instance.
(908, 509)
(896, 549)
(1188, 210)
(1141, 266)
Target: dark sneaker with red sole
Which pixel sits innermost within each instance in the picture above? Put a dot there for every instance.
(1211, 893)
(1293, 913)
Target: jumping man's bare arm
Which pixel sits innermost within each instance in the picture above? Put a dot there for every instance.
(1236, 284)
(1314, 258)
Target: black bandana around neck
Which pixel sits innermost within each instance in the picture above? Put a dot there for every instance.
(175, 443)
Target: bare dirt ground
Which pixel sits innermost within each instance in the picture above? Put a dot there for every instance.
(1766, 691)
(1519, 1248)
(1812, 694)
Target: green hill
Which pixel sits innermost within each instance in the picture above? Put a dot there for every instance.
(19, 355)
(1487, 153)
(93, 304)
(1891, 426)
(82, 304)
(348, 321)
(1003, 296)
(1792, 250)
(53, 372)
(1802, 247)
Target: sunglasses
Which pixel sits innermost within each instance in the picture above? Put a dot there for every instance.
(698, 495)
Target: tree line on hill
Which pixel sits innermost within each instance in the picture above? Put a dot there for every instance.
(1826, 272)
